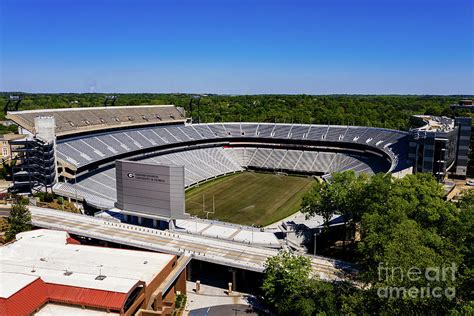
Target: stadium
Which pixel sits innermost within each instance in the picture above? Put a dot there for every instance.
(72, 152)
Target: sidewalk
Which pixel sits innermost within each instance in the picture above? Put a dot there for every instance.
(212, 296)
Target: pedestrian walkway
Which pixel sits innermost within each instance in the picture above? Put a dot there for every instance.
(213, 296)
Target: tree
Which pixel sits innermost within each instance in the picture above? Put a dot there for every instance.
(290, 289)
(18, 220)
(465, 237)
(407, 227)
(342, 196)
(318, 201)
(285, 276)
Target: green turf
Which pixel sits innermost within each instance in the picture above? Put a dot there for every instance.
(249, 198)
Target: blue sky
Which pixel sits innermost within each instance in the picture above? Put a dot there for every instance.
(238, 47)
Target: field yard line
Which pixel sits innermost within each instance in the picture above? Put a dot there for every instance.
(245, 208)
(292, 196)
(250, 198)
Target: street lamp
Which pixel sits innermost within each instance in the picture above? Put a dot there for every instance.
(318, 231)
(315, 235)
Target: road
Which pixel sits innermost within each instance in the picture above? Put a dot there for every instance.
(202, 248)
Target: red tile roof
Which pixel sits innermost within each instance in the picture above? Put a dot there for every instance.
(87, 297)
(38, 293)
(25, 301)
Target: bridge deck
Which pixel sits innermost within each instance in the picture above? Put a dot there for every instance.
(223, 252)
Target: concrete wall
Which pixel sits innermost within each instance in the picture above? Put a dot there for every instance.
(400, 174)
(150, 190)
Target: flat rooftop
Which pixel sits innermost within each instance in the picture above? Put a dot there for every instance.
(435, 123)
(52, 309)
(10, 283)
(48, 255)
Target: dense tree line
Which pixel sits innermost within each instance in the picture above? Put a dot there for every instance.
(391, 111)
(415, 254)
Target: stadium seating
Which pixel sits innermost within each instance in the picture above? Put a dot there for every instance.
(299, 131)
(99, 190)
(71, 121)
(89, 149)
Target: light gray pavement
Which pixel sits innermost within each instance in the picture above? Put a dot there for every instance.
(212, 296)
(298, 216)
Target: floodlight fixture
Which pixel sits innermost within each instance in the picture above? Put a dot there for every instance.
(112, 98)
(196, 97)
(12, 99)
(15, 97)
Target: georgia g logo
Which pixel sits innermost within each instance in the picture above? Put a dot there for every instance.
(131, 175)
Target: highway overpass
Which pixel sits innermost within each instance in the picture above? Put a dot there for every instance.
(224, 252)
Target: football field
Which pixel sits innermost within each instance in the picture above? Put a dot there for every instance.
(248, 198)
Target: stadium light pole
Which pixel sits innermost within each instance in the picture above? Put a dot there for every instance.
(16, 99)
(112, 98)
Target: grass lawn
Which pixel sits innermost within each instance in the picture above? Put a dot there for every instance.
(249, 198)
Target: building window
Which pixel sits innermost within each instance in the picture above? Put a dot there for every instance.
(5, 152)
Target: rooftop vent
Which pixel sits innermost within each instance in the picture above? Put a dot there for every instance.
(100, 277)
(67, 273)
